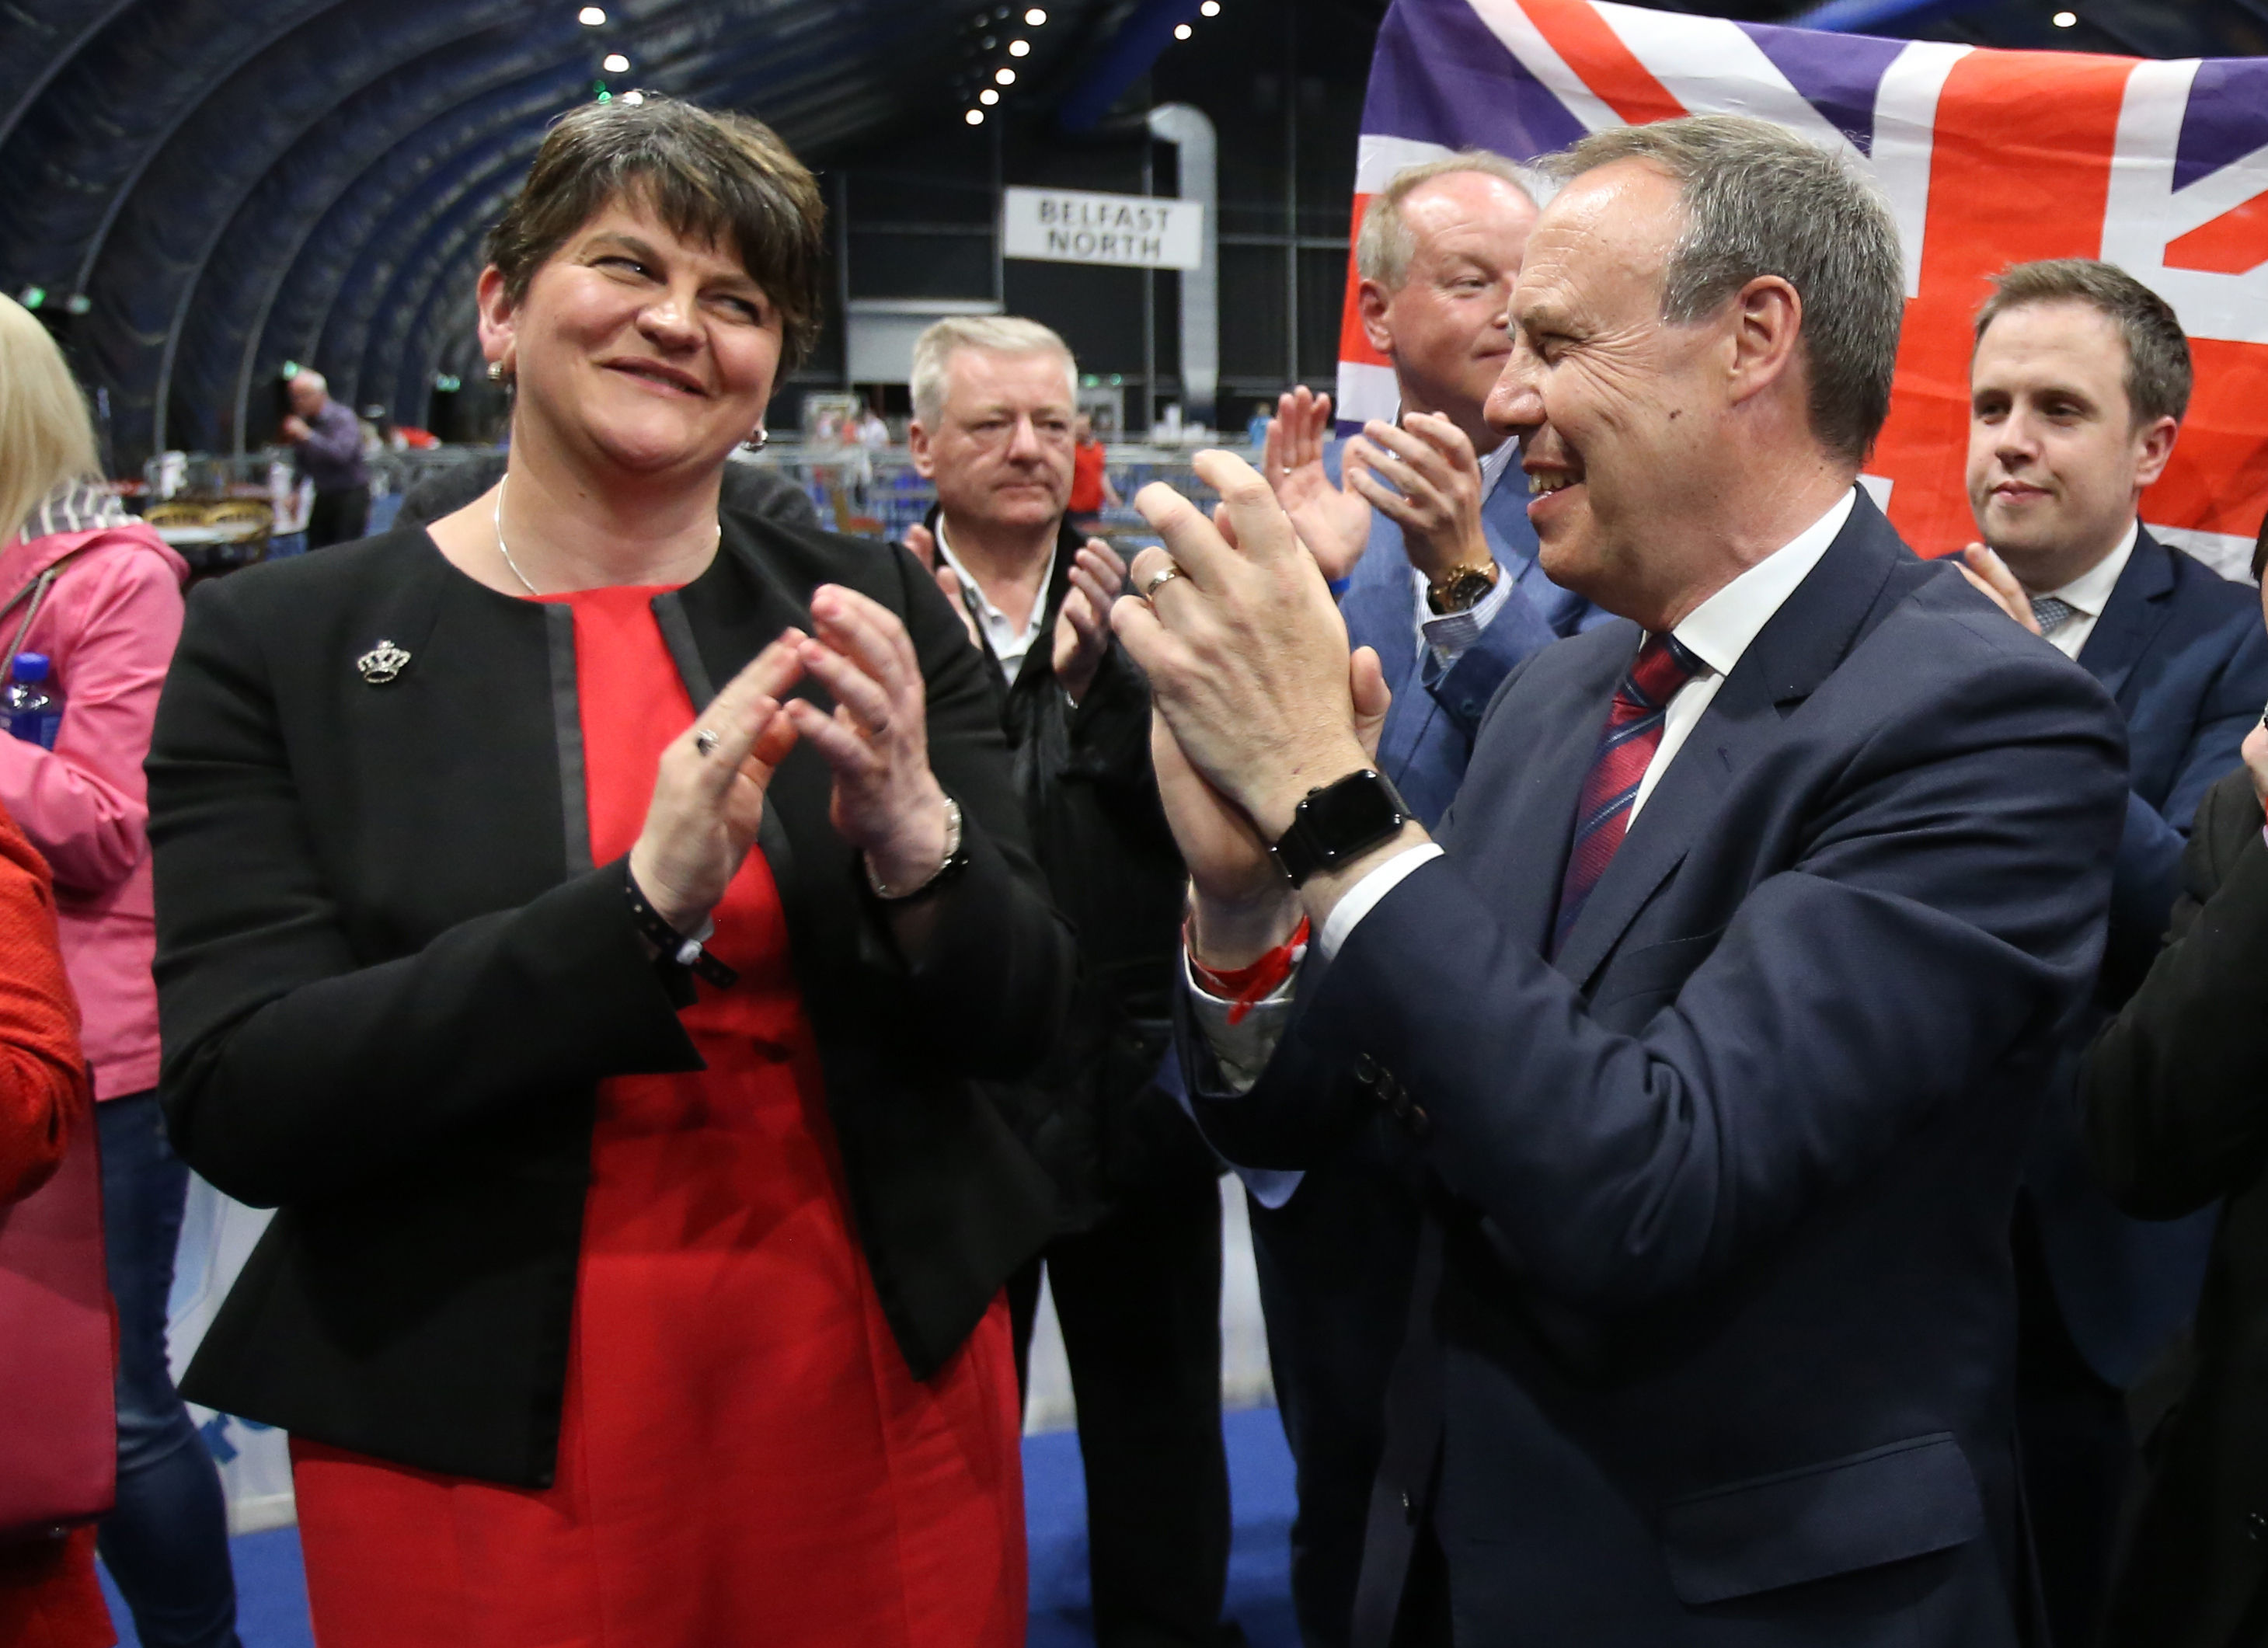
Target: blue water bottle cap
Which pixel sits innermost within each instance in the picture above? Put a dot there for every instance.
(31, 666)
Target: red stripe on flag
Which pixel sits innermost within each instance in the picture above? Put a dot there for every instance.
(2218, 474)
(1592, 48)
(2235, 243)
(2019, 169)
(1353, 346)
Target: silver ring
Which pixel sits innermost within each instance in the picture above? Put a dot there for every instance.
(1158, 580)
(706, 741)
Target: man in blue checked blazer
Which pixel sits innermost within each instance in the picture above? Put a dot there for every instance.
(1421, 523)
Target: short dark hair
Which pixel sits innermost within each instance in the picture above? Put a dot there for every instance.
(717, 176)
(2260, 552)
(2158, 372)
(1760, 200)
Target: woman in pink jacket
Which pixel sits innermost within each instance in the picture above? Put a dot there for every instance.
(103, 596)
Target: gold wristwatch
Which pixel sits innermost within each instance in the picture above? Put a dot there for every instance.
(1461, 588)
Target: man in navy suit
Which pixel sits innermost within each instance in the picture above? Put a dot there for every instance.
(2077, 388)
(1446, 589)
(1723, 1018)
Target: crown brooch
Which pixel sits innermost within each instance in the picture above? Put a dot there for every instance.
(382, 663)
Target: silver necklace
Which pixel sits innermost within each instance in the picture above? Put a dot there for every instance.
(506, 553)
(497, 518)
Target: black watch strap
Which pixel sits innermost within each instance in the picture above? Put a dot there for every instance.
(1339, 821)
(677, 949)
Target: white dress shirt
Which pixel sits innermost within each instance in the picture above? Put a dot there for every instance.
(1009, 643)
(2087, 594)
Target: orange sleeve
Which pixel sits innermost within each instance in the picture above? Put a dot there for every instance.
(43, 1087)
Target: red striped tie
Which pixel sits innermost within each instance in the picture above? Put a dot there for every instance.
(1626, 748)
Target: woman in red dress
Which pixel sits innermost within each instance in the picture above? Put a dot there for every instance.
(605, 1037)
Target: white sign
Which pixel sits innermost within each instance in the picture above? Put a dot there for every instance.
(1129, 231)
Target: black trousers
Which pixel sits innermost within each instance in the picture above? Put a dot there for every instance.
(1139, 1296)
(2077, 1451)
(337, 518)
(1335, 1267)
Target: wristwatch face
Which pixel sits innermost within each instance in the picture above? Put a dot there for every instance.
(1352, 814)
(1461, 591)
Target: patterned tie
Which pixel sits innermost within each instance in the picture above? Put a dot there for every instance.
(2050, 613)
(1626, 748)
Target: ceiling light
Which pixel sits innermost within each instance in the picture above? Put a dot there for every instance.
(634, 97)
(591, 16)
(616, 63)
(1182, 31)
(1035, 17)
(2065, 20)
(988, 96)
(1210, 8)
(1005, 76)
(975, 117)
(1020, 48)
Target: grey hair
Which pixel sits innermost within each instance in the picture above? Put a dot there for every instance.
(1760, 200)
(1001, 334)
(1386, 243)
(2158, 370)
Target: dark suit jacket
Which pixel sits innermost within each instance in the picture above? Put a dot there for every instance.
(1092, 1112)
(2183, 651)
(2176, 1114)
(1428, 736)
(1725, 1319)
(390, 980)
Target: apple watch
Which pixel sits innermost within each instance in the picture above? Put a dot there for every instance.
(1338, 822)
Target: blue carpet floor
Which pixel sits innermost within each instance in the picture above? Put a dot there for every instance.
(272, 1594)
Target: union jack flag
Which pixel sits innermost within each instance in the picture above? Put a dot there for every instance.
(1989, 159)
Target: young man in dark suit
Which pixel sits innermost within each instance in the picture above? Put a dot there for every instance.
(2077, 388)
(1723, 1020)
(1432, 511)
(2176, 1123)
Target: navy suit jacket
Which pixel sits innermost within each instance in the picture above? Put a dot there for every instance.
(1726, 1328)
(2183, 651)
(1428, 736)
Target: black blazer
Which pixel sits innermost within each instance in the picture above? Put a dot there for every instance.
(390, 978)
(2176, 1090)
(2181, 649)
(1725, 1328)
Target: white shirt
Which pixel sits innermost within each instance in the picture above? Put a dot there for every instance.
(1450, 636)
(1717, 632)
(1008, 643)
(2087, 594)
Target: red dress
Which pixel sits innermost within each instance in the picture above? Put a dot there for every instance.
(744, 1457)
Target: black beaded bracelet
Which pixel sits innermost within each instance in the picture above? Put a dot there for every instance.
(675, 947)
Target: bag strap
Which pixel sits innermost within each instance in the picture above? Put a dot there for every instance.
(36, 592)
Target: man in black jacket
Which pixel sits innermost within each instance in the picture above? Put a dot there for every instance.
(2176, 1118)
(1137, 1269)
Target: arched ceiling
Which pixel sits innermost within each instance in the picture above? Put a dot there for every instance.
(215, 187)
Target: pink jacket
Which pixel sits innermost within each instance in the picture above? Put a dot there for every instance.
(108, 624)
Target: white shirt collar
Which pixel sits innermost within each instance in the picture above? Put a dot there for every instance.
(1009, 644)
(1719, 629)
(2090, 591)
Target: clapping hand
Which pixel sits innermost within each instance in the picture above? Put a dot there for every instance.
(922, 543)
(1991, 575)
(1425, 477)
(1333, 523)
(1083, 622)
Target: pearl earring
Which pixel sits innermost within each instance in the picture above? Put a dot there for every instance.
(495, 372)
(757, 441)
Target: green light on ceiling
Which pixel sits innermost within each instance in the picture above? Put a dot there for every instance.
(34, 296)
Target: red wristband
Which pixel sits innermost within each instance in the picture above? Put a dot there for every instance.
(1247, 987)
